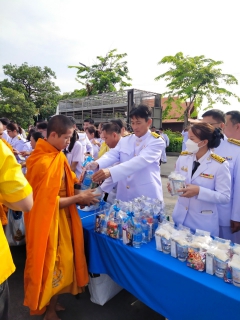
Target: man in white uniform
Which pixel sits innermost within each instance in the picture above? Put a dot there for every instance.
(112, 134)
(229, 149)
(166, 139)
(138, 155)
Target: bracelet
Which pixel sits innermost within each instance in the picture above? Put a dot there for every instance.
(77, 186)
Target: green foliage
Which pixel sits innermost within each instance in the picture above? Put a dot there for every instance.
(103, 76)
(35, 83)
(175, 141)
(173, 134)
(191, 79)
(13, 105)
(175, 145)
(73, 95)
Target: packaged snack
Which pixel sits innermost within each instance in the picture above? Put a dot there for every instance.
(196, 259)
(177, 181)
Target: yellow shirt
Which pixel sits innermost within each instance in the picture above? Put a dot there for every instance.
(13, 187)
(103, 149)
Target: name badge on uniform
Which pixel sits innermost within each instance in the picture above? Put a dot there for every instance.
(184, 169)
(227, 158)
(205, 175)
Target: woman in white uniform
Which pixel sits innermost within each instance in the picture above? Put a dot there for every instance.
(16, 141)
(91, 133)
(75, 154)
(207, 178)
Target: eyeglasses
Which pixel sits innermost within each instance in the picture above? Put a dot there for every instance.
(9, 131)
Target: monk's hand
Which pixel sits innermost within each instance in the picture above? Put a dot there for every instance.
(101, 175)
(88, 197)
(190, 191)
(235, 226)
(92, 165)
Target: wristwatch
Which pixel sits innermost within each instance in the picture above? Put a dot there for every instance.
(77, 186)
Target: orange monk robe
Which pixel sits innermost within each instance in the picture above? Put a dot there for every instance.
(45, 169)
(3, 214)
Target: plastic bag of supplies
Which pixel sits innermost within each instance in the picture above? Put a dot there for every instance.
(102, 288)
(15, 229)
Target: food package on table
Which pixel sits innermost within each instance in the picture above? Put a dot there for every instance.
(196, 259)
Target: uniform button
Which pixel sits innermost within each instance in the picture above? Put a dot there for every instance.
(128, 187)
(186, 208)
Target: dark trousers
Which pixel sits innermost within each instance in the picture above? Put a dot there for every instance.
(4, 300)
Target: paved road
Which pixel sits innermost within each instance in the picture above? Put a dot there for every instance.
(123, 306)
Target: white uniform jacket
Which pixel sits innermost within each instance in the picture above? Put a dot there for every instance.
(213, 178)
(87, 146)
(229, 149)
(19, 144)
(138, 170)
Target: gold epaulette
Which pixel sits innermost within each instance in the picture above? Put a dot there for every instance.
(185, 153)
(234, 141)
(19, 138)
(217, 158)
(127, 135)
(155, 135)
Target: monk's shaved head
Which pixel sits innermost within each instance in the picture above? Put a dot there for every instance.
(59, 124)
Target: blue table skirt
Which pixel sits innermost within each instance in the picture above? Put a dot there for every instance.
(162, 282)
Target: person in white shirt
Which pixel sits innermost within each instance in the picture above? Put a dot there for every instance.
(229, 149)
(5, 122)
(42, 127)
(75, 155)
(166, 139)
(112, 134)
(138, 155)
(87, 123)
(208, 180)
(91, 133)
(17, 142)
(185, 138)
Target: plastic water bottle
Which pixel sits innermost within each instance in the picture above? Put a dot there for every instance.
(87, 180)
(145, 232)
(137, 235)
(155, 224)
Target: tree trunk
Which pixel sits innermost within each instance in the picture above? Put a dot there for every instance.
(186, 116)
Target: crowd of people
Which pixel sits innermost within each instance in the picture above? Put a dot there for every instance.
(40, 172)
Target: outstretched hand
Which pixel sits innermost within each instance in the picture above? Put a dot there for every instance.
(88, 197)
(101, 175)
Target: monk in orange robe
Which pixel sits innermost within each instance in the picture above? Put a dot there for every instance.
(54, 237)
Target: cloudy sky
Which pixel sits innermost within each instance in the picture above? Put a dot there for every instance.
(59, 33)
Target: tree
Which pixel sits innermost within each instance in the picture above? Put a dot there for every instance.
(103, 76)
(13, 105)
(73, 95)
(191, 79)
(34, 82)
